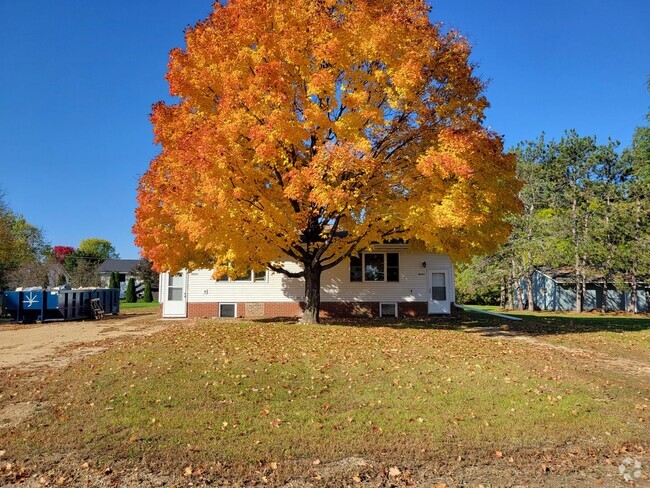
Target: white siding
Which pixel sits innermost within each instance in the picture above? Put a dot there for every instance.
(335, 283)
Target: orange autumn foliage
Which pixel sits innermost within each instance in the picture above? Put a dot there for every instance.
(309, 130)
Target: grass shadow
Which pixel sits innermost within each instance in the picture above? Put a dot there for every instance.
(558, 323)
(531, 324)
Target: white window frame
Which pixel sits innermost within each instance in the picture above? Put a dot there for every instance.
(228, 303)
(389, 303)
(363, 267)
(266, 277)
(251, 278)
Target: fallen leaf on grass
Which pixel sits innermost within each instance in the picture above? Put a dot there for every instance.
(498, 454)
(394, 471)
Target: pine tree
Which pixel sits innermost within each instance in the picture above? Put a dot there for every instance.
(113, 282)
(130, 292)
(148, 296)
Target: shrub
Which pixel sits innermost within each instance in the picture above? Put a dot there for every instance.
(148, 296)
(114, 280)
(130, 292)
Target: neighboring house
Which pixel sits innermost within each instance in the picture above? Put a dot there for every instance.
(126, 269)
(390, 281)
(555, 289)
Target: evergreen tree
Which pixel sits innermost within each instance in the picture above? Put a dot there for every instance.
(113, 283)
(130, 292)
(636, 218)
(148, 296)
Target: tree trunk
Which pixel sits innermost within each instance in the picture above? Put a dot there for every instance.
(511, 294)
(578, 292)
(520, 295)
(574, 232)
(634, 298)
(516, 283)
(610, 253)
(529, 285)
(583, 262)
(312, 294)
(504, 291)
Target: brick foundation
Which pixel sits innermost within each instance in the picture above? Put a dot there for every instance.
(200, 310)
(256, 310)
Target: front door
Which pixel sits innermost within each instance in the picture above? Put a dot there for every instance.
(175, 298)
(439, 296)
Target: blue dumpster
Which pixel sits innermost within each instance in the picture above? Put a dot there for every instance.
(38, 305)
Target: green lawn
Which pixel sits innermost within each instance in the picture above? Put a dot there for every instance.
(139, 305)
(245, 395)
(621, 335)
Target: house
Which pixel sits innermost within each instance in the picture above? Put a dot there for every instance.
(389, 281)
(126, 269)
(555, 289)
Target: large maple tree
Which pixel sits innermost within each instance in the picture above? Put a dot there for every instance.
(310, 130)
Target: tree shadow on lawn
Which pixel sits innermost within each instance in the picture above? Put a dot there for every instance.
(462, 320)
(559, 323)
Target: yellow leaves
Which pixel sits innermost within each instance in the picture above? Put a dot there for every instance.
(288, 112)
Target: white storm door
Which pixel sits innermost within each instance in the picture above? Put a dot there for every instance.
(439, 293)
(175, 304)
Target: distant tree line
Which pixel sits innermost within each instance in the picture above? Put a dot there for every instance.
(584, 205)
(21, 245)
(27, 260)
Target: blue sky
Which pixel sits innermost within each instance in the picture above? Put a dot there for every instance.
(78, 79)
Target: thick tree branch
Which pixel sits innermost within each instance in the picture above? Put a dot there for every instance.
(283, 271)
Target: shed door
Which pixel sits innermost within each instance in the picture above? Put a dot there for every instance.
(175, 298)
(439, 293)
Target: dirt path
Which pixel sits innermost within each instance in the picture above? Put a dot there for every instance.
(29, 347)
(627, 366)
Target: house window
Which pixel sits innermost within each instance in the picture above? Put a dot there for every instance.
(375, 267)
(256, 276)
(388, 309)
(355, 268)
(228, 310)
(438, 287)
(244, 277)
(392, 266)
(175, 288)
(122, 277)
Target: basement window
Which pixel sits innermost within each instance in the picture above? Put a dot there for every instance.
(388, 309)
(228, 310)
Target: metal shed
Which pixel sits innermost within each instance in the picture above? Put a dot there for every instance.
(555, 289)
